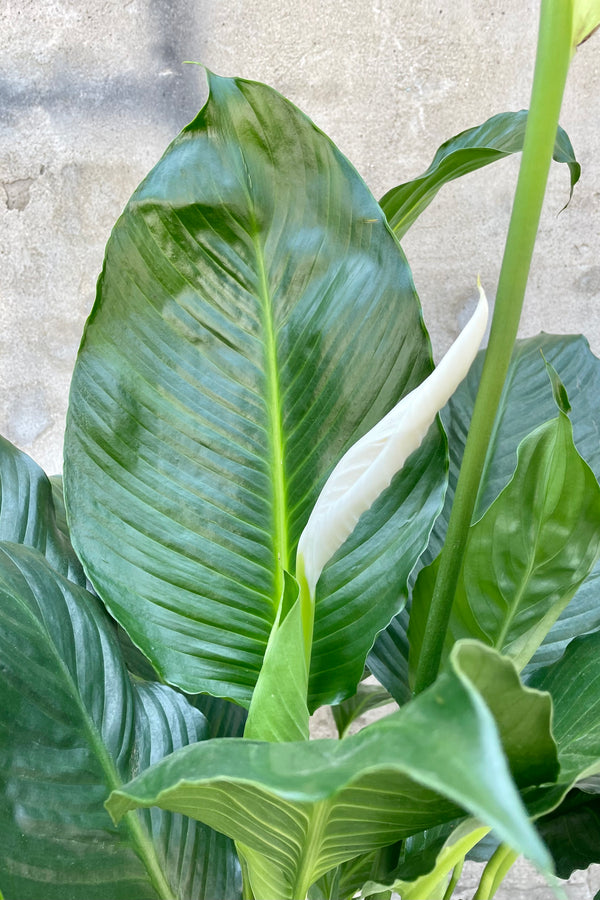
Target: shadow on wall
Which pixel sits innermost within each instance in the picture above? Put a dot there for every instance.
(168, 89)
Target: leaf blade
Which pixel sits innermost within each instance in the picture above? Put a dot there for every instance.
(466, 152)
(230, 310)
(520, 572)
(343, 798)
(71, 727)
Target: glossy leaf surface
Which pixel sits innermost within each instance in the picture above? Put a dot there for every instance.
(227, 364)
(495, 139)
(32, 513)
(527, 402)
(73, 727)
(573, 684)
(388, 659)
(528, 554)
(304, 808)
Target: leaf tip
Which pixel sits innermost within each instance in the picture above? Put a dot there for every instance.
(117, 805)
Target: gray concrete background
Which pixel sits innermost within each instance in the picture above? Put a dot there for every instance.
(92, 91)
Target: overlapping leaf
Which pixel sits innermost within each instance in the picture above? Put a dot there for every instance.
(32, 513)
(526, 557)
(572, 832)
(254, 317)
(573, 685)
(301, 809)
(388, 659)
(526, 403)
(72, 727)
(523, 718)
(567, 816)
(379, 557)
(495, 139)
(278, 711)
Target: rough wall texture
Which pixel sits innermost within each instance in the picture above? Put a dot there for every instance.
(91, 92)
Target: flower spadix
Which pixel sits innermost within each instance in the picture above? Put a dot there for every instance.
(370, 464)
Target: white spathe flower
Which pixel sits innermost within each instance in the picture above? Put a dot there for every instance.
(370, 464)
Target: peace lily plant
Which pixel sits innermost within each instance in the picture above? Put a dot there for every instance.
(260, 507)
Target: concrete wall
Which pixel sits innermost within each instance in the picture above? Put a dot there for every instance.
(91, 92)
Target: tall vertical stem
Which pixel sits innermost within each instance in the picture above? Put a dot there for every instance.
(551, 68)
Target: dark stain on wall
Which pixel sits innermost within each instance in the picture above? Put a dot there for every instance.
(169, 90)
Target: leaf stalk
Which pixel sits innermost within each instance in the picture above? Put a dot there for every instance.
(498, 866)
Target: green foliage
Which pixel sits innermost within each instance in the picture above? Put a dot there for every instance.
(205, 411)
(160, 651)
(528, 554)
(73, 728)
(496, 139)
(300, 809)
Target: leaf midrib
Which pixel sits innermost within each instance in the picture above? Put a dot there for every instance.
(312, 848)
(275, 425)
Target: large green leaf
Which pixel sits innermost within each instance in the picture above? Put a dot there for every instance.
(301, 809)
(73, 727)
(526, 557)
(226, 365)
(496, 139)
(32, 513)
(523, 718)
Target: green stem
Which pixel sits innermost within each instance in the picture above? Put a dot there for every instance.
(456, 873)
(498, 866)
(449, 860)
(551, 68)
